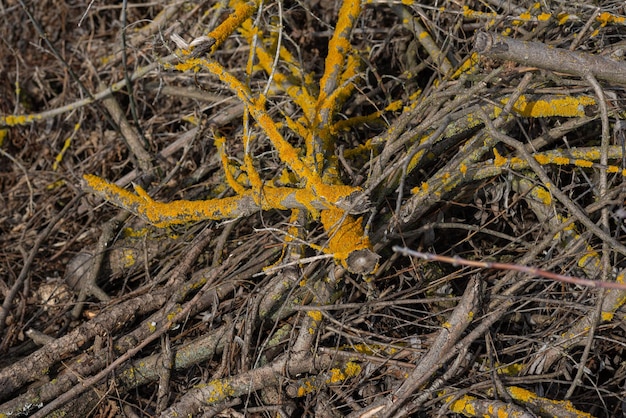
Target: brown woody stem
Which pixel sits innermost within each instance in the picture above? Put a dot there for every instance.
(540, 55)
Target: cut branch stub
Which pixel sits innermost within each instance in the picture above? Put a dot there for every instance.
(363, 261)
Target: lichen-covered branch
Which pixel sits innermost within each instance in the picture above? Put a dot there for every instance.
(185, 211)
(318, 191)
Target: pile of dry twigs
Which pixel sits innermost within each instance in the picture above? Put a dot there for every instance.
(312, 208)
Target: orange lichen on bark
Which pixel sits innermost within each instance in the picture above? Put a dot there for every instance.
(579, 157)
(464, 405)
(294, 84)
(184, 211)
(471, 406)
(340, 67)
(338, 375)
(345, 234)
(312, 180)
(542, 195)
(498, 160)
(557, 105)
(66, 144)
(334, 376)
(606, 18)
(15, 120)
(243, 10)
(469, 66)
(316, 315)
(219, 390)
(338, 50)
(307, 386)
(220, 144)
(544, 405)
(162, 214)
(286, 151)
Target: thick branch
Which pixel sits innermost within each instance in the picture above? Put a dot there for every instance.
(248, 203)
(537, 54)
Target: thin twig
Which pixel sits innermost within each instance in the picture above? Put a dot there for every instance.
(533, 271)
(19, 282)
(554, 190)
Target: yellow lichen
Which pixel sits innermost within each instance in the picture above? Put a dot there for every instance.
(464, 406)
(583, 163)
(591, 256)
(561, 160)
(305, 388)
(243, 10)
(542, 17)
(463, 169)
(219, 391)
(544, 405)
(563, 18)
(607, 316)
(15, 120)
(511, 369)
(55, 184)
(135, 233)
(606, 17)
(336, 375)
(352, 369)
(542, 159)
(557, 105)
(310, 182)
(469, 66)
(521, 394)
(543, 195)
(128, 256)
(316, 315)
(470, 13)
(66, 145)
(498, 160)
(345, 234)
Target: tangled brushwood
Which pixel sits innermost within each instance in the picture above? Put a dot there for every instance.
(320, 208)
